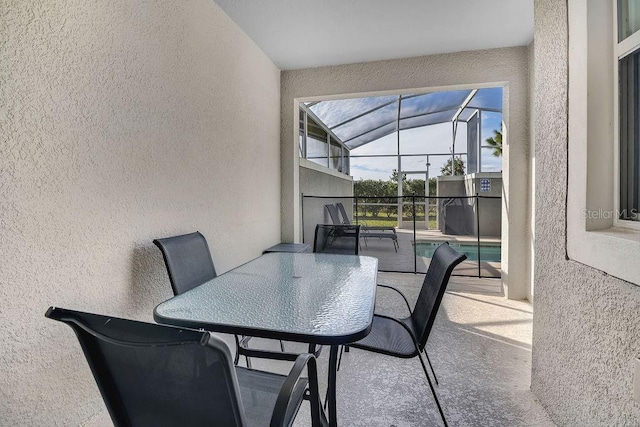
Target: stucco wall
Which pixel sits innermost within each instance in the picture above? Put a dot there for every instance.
(318, 181)
(120, 121)
(502, 66)
(586, 323)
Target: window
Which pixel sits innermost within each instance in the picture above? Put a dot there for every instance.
(596, 234)
(628, 55)
(335, 155)
(628, 18)
(629, 151)
(316, 143)
(302, 135)
(319, 145)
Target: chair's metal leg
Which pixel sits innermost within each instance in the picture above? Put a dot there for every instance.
(237, 358)
(343, 348)
(326, 399)
(431, 366)
(331, 386)
(433, 391)
(281, 346)
(312, 349)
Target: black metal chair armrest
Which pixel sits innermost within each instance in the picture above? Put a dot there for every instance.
(382, 285)
(318, 418)
(404, 326)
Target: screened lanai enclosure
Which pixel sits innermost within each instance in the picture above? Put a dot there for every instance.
(426, 168)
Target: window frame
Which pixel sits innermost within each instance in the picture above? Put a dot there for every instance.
(592, 237)
(621, 50)
(344, 164)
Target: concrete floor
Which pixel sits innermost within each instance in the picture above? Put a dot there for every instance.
(480, 347)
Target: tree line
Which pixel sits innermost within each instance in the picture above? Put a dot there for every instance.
(379, 191)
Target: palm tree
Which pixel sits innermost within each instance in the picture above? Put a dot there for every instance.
(495, 142)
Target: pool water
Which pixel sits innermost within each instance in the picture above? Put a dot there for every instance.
(490, 253)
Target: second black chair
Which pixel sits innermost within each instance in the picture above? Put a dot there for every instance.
(188, 261)
(407, 337)
(366, 231)
(336, 239)
(189, 264)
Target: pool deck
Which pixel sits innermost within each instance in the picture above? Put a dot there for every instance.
(438, 236)
(403, 260)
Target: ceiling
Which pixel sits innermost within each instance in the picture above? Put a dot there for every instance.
(311, 33)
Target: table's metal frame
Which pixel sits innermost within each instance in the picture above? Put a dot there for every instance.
(313, 340)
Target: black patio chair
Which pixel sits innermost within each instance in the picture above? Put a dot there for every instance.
(407, 337)
(189, 264)
(188, 261)
(367, 232)
(365, 227)
(156, 375)
(333, 214)
(336, 239)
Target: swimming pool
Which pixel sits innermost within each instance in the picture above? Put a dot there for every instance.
(490, 253)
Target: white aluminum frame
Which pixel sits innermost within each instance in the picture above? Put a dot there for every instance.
(621, 50)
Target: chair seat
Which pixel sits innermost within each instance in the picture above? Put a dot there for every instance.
(388, 336)
(259, 391)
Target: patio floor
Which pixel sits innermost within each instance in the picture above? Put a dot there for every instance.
(480, 348)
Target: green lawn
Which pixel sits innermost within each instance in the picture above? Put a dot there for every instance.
(392, 221)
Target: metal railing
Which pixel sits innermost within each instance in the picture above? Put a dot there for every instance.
(471, 224)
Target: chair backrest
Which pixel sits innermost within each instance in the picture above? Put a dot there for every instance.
(333, 213)
(343, 212)
(443, 261)
(337, 239)
(157, 375)
(188, 261)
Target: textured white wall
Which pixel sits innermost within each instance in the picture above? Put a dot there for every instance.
(507, 66)
(318, 181)
(120, 121)
(586, 323)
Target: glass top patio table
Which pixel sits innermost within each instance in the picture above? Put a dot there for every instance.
(311, 298)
